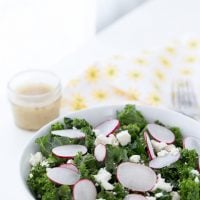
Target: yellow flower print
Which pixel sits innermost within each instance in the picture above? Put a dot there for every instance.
(160, 75)
(118, 91)
(154, 98)
(191, 59)
(193, 44)
(133, 95)
(100, 95)
(135, 75)
(111, 71)
(140, 61)
(92, 74)
(78, 102)
(186, 71)
(165, 62)
(170, 50)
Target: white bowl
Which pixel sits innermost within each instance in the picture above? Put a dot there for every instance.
(95, 115)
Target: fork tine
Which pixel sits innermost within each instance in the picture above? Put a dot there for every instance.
(192, 95)
(184, 98)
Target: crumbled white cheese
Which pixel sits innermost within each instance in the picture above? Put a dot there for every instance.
(135, 158)
(158, 146)
(158, 195)
(44, 163)
(175, 196)
(124, 137)
(113, 140)
(150, 198)
(194, 172)
(170, 147)
(106, 185)
(102, 177)
(174, 151)
(36, 158)
(196, 180)
(74, 128)
(161, 184)
(70, 161)
(101, 139)
(30, 175)
(162, 153)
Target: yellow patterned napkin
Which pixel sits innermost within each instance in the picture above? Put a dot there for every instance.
(145, 78)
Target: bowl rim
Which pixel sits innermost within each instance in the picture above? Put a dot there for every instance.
(102, 106)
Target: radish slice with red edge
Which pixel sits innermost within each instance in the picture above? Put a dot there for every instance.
(70, 166)
(70, 133)
(164, 161)
(107, 127)
(136, 177)
(84, 189)
(69, 151)
(161, 133)
(134, 197)
(100, 152)
(149, 146)
(63, 176)
(192, 143)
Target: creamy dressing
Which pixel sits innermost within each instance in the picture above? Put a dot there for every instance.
(35, 105)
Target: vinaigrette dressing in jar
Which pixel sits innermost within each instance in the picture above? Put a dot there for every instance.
(35, 98)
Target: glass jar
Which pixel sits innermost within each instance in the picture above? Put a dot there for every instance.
(35, 98)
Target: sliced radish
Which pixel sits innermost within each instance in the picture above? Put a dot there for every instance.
(100, 152)
(164, 161)
(69, 151)
(107, 127)
(70, 166)
(161, 133)
(136, 177)
(134, 197)
(192, 143)
(70, 133)
(149, 146)
(84, 189)
(63, 176)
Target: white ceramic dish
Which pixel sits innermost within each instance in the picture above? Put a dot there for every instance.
(95, 115)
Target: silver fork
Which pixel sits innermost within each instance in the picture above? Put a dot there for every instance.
(184, 99)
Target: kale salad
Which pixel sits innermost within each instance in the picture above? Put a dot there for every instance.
(125, 158)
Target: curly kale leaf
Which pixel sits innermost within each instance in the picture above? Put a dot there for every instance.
(189, 158)
(118, 193)
(178, 136)
(181, 169)
(87, 165)
(45, 189)
(89, 138)
(57, 126)
(129, 115)
(64, 192)
(114, 155)
(68, 123)
(80, 123)
(189, 189)
(40, 184)
(48, 142)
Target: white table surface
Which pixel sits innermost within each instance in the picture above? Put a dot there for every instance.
(152, 24)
